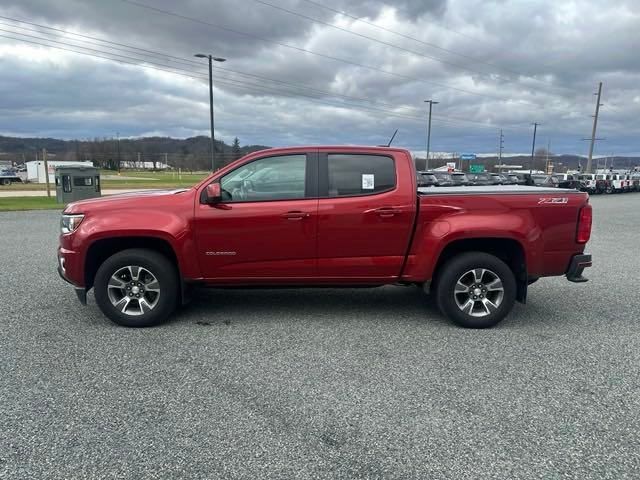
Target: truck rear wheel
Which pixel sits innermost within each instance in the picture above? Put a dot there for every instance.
(136, 288)
(476, 290)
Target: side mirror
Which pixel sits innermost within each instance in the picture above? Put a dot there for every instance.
(213, 194)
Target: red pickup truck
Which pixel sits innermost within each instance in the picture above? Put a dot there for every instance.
(323, 216)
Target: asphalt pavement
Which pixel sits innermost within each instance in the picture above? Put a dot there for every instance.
(324, 383)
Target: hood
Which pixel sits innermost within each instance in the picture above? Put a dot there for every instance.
(124, 200)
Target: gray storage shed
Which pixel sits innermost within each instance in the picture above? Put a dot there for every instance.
(76, 183)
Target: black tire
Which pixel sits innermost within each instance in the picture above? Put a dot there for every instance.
(454, 269)
(155, 263)
(6, 181)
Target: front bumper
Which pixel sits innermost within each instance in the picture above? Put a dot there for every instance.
(577, 266)
(81, 292)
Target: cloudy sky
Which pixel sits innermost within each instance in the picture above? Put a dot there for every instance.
(325, 71)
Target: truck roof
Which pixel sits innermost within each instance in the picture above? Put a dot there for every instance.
(342, 148)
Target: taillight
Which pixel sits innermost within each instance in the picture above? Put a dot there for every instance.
(584, 224)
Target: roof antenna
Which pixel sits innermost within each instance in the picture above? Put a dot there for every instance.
(392, 137)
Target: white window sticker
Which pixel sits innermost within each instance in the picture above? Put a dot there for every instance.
(368, 181)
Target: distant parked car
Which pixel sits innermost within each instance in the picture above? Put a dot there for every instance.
(514, 179)
(486, 178)
(568, 180)
(618, 183)
(497, 178)
(481, 179)
(426, 179)
(545, 181)
(596, 183)
(7, 177)
(443, 178)
(460, 179)
(505, 179)
(589, 183)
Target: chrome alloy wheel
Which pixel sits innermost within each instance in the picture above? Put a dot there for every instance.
(133, 290)
(479, 292)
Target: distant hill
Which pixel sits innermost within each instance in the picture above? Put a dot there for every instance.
(189, 153)
(193, 153)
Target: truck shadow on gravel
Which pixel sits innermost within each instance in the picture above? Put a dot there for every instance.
(389, 304)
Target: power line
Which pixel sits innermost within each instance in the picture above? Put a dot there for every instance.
(322, 55)
(230, 82)
(234, 83)
(196, 75)
(129, 49)
(413, 52)
(382, 42)
(67, 32)
(429, 44)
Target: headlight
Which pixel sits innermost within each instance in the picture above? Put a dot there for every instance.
(69, 223)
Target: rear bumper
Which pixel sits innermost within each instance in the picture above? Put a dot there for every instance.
(577, 266)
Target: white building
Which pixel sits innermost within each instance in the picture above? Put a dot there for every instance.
(146, 165)
(36, 174)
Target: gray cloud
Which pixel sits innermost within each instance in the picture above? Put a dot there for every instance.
(536, 61)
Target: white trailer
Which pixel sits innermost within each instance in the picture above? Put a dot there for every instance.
(36, 174)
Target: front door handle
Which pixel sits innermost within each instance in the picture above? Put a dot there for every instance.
(296, 215)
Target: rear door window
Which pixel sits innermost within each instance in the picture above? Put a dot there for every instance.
(359, 174)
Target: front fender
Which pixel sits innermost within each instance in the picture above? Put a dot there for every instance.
(175, 230)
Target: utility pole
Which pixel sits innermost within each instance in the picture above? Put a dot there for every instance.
(593, 130)
(431, 104)
(533, 147)
(139, 163)
(500, 147)
(46, 171)
(548, 166)
(118, 144)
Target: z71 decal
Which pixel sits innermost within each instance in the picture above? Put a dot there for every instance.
(554, 200)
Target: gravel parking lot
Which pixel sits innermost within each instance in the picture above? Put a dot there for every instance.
(362, 383)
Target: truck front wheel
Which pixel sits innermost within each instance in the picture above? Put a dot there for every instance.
(476, 290)
(136, 288)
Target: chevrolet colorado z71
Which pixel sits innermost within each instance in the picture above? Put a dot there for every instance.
(323, 216)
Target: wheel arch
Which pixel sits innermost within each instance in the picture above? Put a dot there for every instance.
(103, 248)
(508, 250)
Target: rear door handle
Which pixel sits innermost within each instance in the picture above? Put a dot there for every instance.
(295, 215)
(387, 211)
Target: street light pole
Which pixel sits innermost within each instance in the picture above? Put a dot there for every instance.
(431, 104)
(211, 60)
